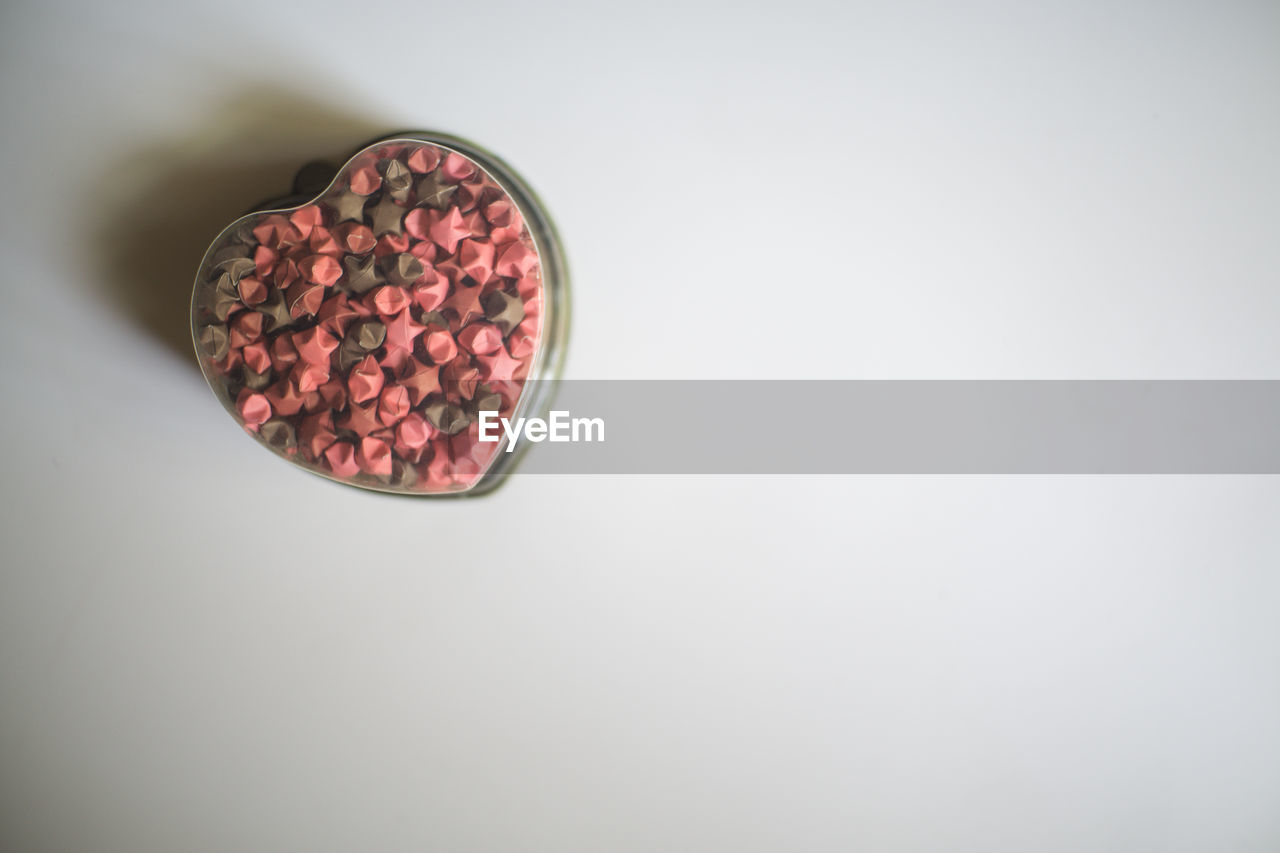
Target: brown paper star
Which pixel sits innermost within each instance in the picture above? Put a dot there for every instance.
(403, 269)
(433, 192)
(347, 206)
(396, 179)
(215, 341)
(279, 434)
(237, 268)
(503, 310)
(226, 297)
(362, 273)
(255, 381)
(447, 417)
(388, 218)
(275, 310)
(363, 339)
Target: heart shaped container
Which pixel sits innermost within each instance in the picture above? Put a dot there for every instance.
(360, 331)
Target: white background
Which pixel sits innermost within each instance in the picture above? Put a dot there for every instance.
(204, 649)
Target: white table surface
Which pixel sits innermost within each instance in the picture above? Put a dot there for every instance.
(203, 649)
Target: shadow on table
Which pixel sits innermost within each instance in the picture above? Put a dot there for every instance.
(156, 212)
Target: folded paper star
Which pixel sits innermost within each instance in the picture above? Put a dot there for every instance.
(388, 217)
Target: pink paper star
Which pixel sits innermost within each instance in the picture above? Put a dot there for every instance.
(480, 338)
(447, 230)
(365, 381)
(465, 301)
(254, 408)
(321, 269)
(316, 434)
(456, 168)
(393, 404)
(361, 420)
(285, 398)
(341, 456)
(440, 346)
(315, 345)
(419, 380)
(499, 366)
(402, 331)
(336, 314)
(374, 457)
(476, 259)
(516, 261)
